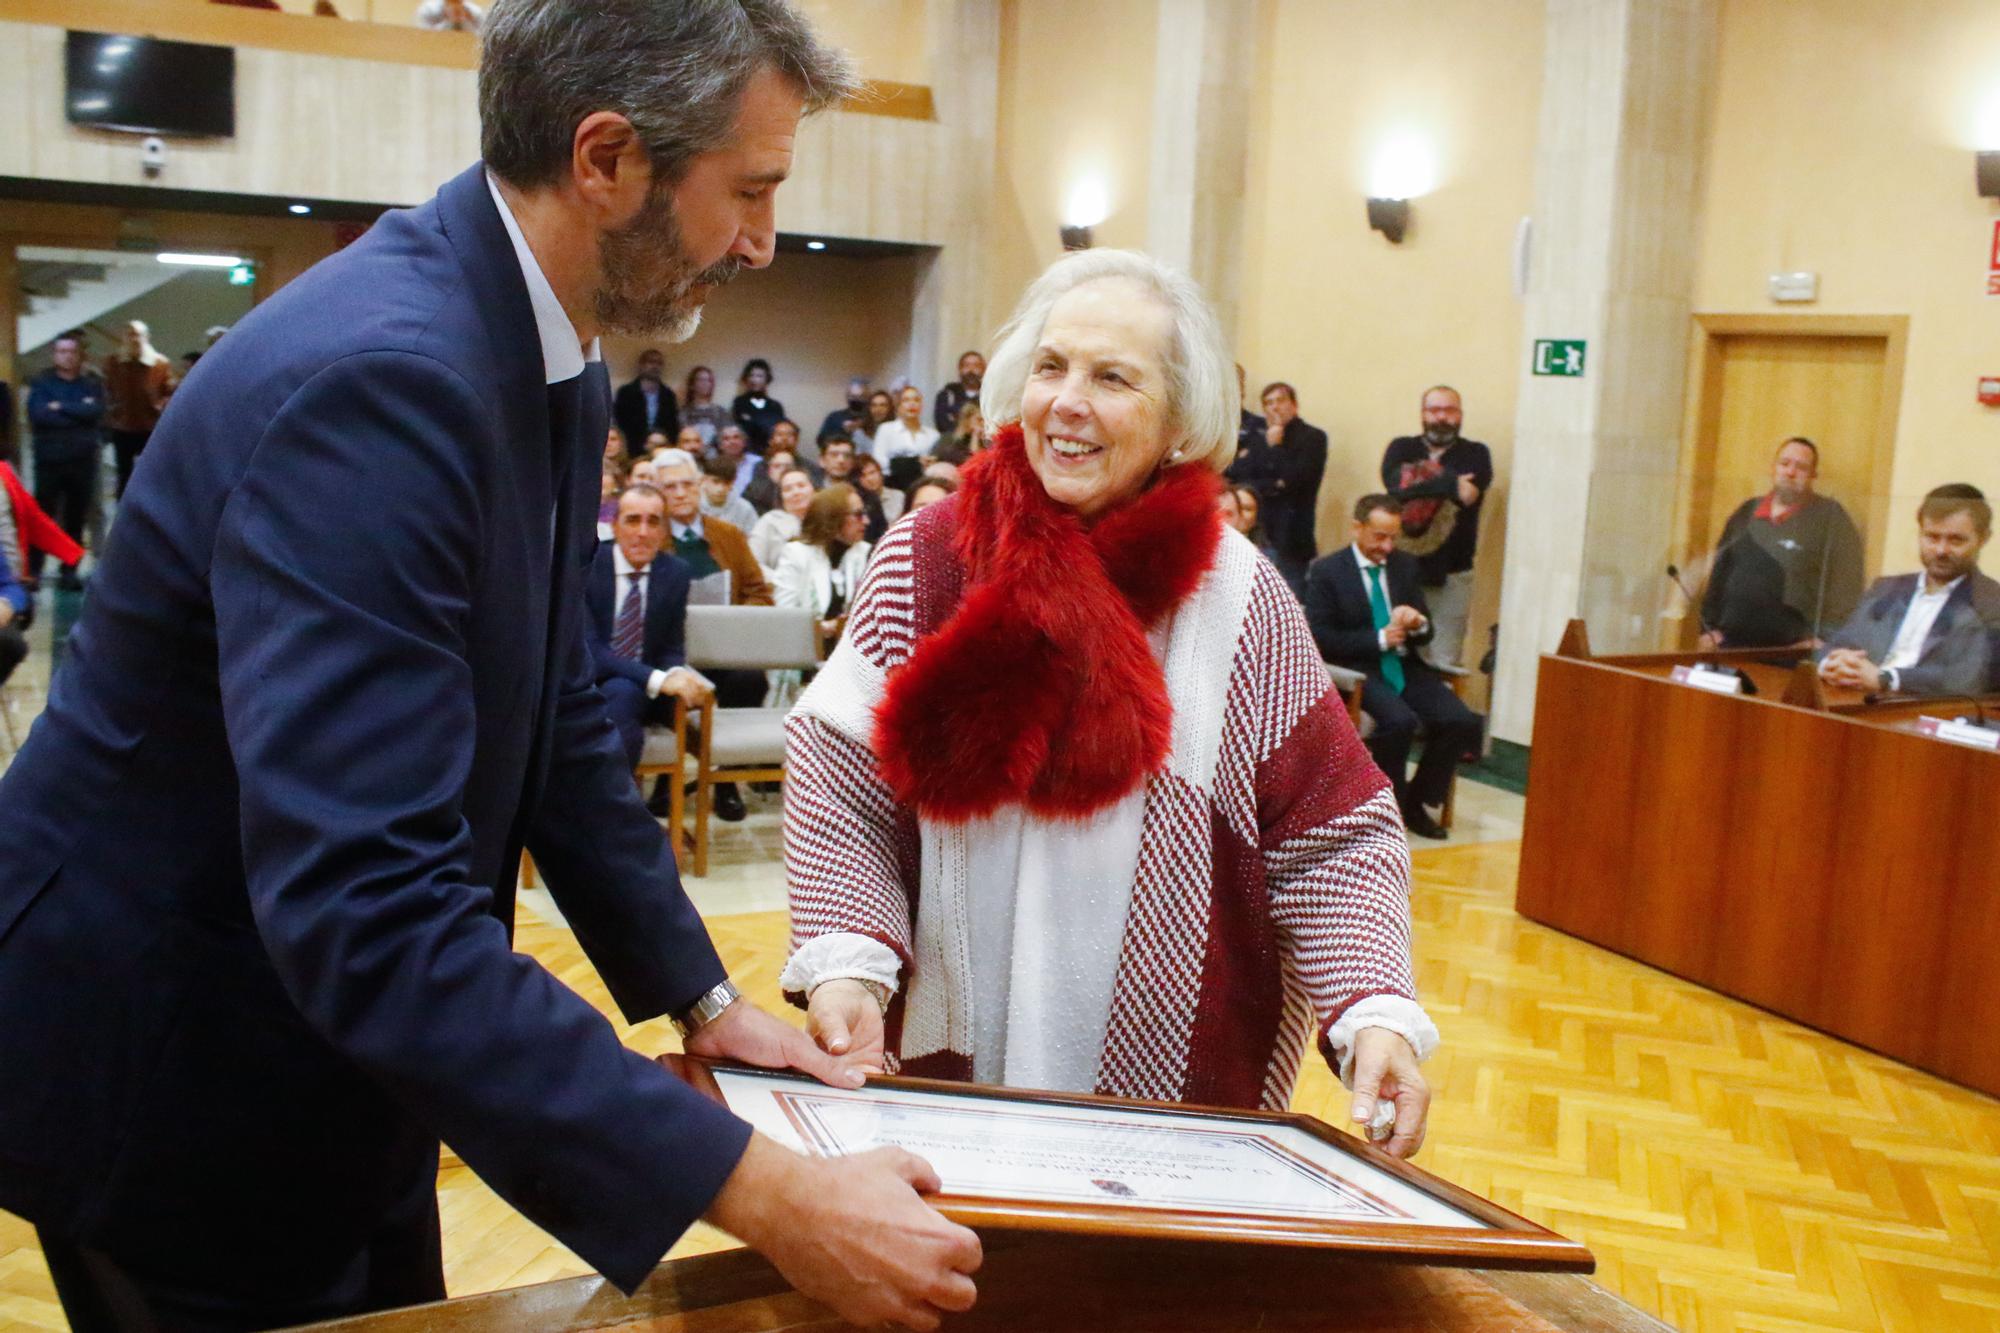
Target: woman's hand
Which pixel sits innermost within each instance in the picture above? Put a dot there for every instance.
(847, 1023)
(1385, 1069)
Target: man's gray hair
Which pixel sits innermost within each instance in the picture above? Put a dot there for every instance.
(675, 68)
(666, 458)
(1203, 404)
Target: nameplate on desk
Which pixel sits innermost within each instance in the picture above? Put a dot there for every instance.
(1716, 682)
(1959, 733)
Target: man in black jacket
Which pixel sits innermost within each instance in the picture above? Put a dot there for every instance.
(1788, 567)
(1284, 466)
(1366, 608)
(646, 405)
(65, 408)
(1442, 479)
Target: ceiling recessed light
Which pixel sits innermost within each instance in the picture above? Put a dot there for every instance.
(300, 209)
(199, 261)
(815, 245)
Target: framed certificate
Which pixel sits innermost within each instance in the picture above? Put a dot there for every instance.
(1036, 1161)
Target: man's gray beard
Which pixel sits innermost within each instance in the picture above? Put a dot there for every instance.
(1436, 437)
(655, 314)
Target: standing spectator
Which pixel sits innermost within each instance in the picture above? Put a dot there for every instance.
(646, 404)
(754, 409)
(884, 504)
(734, 445)
(1441, 478)
(449, 16)
(881, 411)
(782, 523)
(14, 608)
(1284, 466)
(953, 397)
(65, 407)
(137, 380)
(902, 445)
(967, 437)
(1249, 425)
(762, 492)
(1788, 567)
(699, 408)
(718, 500)
(843, 420)
(821, 568)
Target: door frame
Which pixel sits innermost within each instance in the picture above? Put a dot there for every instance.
(1701, 417)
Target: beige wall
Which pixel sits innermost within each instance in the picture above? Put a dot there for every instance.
(1362, 327)
(1842, 142)
(816, 318)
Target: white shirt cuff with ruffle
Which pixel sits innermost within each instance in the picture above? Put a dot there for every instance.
(841, 954)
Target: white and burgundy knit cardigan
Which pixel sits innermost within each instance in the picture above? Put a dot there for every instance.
(1272, 889)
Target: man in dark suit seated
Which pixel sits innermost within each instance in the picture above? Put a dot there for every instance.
(638, 619)
(1934, 633)
(646, 404)
(259, 853)
(1365, 604)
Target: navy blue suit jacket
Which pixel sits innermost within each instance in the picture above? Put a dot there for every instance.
(1961, 654)
(664, 647)
(258, 855)
(1342, 617)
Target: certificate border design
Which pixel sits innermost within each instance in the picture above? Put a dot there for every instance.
(800, 1107)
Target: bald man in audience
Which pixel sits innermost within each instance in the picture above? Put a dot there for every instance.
(1931, 633)
(1788, 567)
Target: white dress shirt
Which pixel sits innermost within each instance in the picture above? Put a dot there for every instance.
(893, 440)
(628, 576)
(563, 353)
(1908, 648)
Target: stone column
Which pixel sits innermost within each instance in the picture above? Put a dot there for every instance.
(1624, 87)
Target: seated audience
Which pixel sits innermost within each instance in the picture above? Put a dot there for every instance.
(883, 504)
(709, 546)
(690, 440)
(837, 455)
(655, 442)
(842, 420)
(1788, 567)
(762, 492)
(449, 15)
(782, 523)
(1365, 604)
(1239, 511)
(881, 411)
(929, 490)
(821, 568)
(966, 438)
(961, 393)
(718, 475)
(1931, 633)
(615, 477)
(637, 600)
(1285, 465)
(732, 442)
(646, 404)
(939, 468)
(902, 445)
(14, 607)
(614, 444)
(754, 409)
(699, 408)
(785, 435)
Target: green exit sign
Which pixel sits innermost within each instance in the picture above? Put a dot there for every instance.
(1559, 356)
(242, 275)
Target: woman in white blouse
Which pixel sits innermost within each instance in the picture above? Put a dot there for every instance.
(780, 524)
(822, 567)
(901, 445)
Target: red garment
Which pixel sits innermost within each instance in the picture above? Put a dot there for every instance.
(35, 529)
(1766, 508)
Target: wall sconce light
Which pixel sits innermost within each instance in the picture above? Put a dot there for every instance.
(1391, 217)
(1089, 203)
(1076, 238)
(1988, 174)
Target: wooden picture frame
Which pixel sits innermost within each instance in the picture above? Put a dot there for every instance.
(1360, 1200)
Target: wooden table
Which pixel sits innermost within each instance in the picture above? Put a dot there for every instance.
(1822, 861)
(1040, 1284)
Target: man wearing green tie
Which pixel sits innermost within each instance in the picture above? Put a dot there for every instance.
(1366, 608)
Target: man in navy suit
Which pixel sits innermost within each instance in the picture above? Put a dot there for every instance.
(1934, 633)
(1365, 604)
(637, 600)
(257, 864)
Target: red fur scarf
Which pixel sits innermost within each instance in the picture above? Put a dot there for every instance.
(1041, 688)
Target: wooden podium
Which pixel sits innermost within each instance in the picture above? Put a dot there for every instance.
(1806, 852)
(1062, 1284)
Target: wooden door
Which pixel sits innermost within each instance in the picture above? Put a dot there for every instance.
(1758, 380)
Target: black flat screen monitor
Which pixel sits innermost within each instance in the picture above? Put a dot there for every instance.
(148, 86)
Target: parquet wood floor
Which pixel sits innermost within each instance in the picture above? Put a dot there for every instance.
(1732, 1171)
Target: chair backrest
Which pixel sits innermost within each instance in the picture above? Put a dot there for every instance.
(752, 638)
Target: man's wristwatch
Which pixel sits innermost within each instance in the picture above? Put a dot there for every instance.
(707, 1009)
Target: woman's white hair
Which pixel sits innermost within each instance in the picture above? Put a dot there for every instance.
(1203, 402)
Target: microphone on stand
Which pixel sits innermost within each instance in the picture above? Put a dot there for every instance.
(1674, 573)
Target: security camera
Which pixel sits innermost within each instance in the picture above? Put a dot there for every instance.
(153, 155)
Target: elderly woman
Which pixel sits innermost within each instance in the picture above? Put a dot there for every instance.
(1072, 805)
(782, 523)
(821, 568)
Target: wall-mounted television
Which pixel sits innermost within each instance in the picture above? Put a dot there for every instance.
(149, 86)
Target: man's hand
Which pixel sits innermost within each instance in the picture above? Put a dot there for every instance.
(1849, 668)
(853, 1232)
(1274, 434)
(1709, 641)
(1385, 1069)
(1468, 494)
(745, 1032)
(6, 613)
(1394, 635)
(845, 1020)
(1408, 617)
(686, 686)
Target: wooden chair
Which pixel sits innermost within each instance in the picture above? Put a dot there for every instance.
(727, 744)
(1348, 682)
